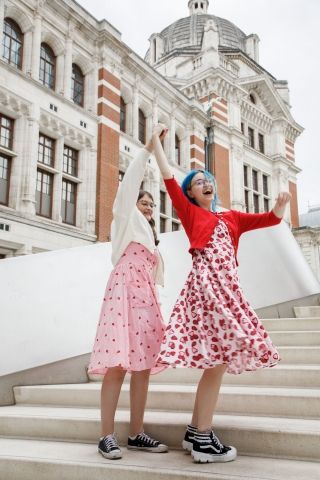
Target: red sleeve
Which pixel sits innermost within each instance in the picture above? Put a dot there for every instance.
(179, 200)
(252, 221)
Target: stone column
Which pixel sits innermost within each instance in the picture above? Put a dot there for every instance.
(1, 21)
(172, 154)
(36, 44)
(68, 69)
(60, 73)
(91, 88)
(27, 53)
(57, 184)
(29, 169)
(155, 109)
(135, 113)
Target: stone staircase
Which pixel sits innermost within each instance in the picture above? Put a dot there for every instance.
(271, 414)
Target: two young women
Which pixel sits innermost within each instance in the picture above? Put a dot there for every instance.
(212, 326)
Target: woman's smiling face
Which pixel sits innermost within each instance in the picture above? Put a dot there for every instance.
(202, 190)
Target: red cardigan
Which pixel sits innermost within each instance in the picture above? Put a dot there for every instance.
(199, 224)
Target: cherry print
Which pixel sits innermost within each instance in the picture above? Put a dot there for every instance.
(212, 315)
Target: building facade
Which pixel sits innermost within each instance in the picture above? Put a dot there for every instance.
(76, 104)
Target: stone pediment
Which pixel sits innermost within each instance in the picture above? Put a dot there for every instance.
(267, 98)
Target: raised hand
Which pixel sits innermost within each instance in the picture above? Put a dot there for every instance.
(281, 203)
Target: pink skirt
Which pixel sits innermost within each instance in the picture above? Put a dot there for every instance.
(212, 323)
(130, 328)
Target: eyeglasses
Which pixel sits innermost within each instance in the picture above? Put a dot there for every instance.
(202, 182)
(147, 204)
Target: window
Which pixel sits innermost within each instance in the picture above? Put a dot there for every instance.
(256, 203)
(265, 191)
(256, 190)
(261, 142)
(168, 215)
(46, 150)
(44, 193)
(252, 99)
(70, 161)
(255, 180)
(77, 85)
(177, 150)
(175, 226)
(251, 136)
(68, 202)
(5, 164)
(163, 202)
(6, 132)
(162, 224)
(12, 43)
(47, 66)
(245, 176)
(123, 112)
(142, 127)
(242, 128)
(246, 200)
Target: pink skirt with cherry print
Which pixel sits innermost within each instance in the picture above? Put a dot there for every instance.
(131, 327)
(212, 323)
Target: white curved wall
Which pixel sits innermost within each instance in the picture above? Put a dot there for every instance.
(50, 302)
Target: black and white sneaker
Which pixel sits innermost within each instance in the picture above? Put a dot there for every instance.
(109, 448)
(207, 448)
(142, 441)
(187, 442)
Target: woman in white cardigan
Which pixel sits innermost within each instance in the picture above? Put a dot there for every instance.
(131, 327)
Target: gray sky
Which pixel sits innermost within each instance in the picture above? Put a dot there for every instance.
(289, 41)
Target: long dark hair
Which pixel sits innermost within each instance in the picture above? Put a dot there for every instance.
(152, 223)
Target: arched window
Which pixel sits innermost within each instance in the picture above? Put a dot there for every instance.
(123, 108)
(77, 85)
(47, 66)
(177, 150)
(196, 6)
(12, 43)
(142, 127)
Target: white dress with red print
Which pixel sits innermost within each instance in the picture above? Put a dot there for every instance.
(212, 323)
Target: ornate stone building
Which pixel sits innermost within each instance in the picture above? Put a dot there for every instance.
(76, 103)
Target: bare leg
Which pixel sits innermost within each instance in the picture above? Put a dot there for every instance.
(138, 397)
(206, 397)
(110, 391)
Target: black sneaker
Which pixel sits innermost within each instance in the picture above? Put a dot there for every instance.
(142, 441)
(207, 448)
(109, 448)
(188, 440)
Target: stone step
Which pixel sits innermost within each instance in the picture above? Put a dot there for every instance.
(283, 375)
(253, 435)
(75, 461)
(301, 312)
(289, 324)
(301, 403)
(300, 355)
(300, 337)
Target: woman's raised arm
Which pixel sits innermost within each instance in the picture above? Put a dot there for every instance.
(159, 132)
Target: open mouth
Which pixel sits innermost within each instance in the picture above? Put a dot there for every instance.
(208, 191)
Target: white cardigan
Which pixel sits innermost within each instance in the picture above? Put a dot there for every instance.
(129, 224)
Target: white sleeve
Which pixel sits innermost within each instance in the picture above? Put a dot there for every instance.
(127, 194)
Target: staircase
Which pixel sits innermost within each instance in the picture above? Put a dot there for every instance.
(52, 431)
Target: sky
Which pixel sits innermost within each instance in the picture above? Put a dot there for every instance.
(289, 43)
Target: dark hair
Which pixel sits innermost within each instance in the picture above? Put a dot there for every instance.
(152, 223)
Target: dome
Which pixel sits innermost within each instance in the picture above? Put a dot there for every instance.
(187, 33)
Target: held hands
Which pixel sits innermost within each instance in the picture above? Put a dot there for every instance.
(281, 203)
(159, 131)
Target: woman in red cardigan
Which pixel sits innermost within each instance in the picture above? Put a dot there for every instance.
(212, 325)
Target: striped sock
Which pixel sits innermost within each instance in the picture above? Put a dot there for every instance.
(191, 429)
